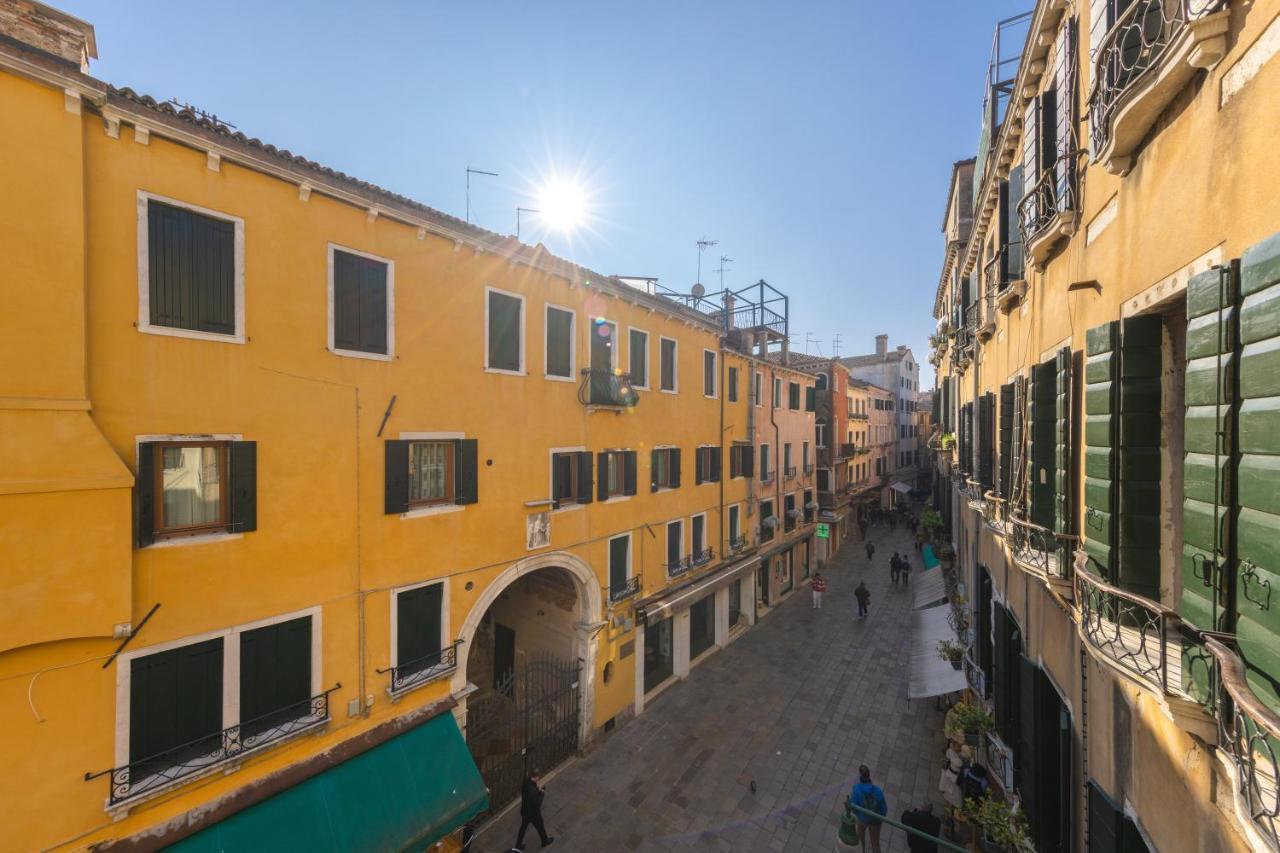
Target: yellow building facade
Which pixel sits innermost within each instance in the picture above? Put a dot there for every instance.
(1109, 263)
(293, 469)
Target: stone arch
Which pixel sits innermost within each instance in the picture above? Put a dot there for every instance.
(591, 601)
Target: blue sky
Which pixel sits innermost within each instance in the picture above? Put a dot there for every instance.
(813, 140)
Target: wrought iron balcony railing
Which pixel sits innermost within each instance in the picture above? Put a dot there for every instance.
(848, 449)
(1132, 631)
(790, 472)
(737, 543)
(1135, 44)
(997, 512)
(701, 558)
(628, 590)
(767, 527)
(163, 770)
(679, 566)
(975, 494)
(412, 673)
(974, 676)
(1052, 195)
(1039, 549)
(606, 388)
(1249, 734)
(808, 467)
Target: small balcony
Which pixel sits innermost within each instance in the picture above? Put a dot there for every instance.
(679, 566)
(768, 525)
(701, 558)
(737, 543)
(975, 495)
(793, 516)
(808, 467)
(789, 472)
(1040, 551)
(1050, 210)
(1003, 276)
(848, 450)
(411, 674)
(996, 513)
(630, 589)
(1139, 636)
(608, 390)
(1149, 55)
(766, 477)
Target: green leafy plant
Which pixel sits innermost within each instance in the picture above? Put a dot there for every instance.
(948, 440)
(931, 520)
(998, 822)
(948, 650)
(971, 718)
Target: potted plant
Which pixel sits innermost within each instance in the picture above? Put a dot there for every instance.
(1002, 829)
(950, 651)
(966, 723)
(948, 440)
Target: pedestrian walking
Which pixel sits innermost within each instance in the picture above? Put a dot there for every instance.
(871, 552)
(904, 569)
(818, 586)
(895, 568)
(864, 598)
(531, 796)
(926, 821)
(870, 800)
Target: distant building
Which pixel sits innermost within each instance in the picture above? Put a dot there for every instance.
(897, 371)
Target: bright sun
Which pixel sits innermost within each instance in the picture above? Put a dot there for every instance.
(563, 205)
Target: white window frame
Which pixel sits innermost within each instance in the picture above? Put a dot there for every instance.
(777, 392)
(664, 488)
(787, 456)
(546, 340)
(631, 551)
(391, 305)
(761, 469)
(715, 374)
(618, 496)
(675, 366)
(666, 563)
(735, 514)
(440, 508)
(696, 472)
(804, 456)
(757, 387)
(551, 478)
(706, 539)
(230, 689)
(144, 271)
(732, 391)
(523, 312)
(445, 629)
(647, 372)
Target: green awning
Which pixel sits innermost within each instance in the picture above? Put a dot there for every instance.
(411, 790)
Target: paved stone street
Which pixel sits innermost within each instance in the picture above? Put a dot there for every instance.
(795, 704)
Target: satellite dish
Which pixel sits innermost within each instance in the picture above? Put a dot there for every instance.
(699, 290)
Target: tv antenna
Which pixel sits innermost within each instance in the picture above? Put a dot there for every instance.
(723, 269)
(835, 346)
(702, 247)
(809, 338)
(470, 172)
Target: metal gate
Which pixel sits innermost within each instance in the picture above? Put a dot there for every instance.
(530, 721)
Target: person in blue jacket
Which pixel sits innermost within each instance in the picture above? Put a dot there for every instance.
(869, 796)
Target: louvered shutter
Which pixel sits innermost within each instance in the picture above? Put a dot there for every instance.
(584, 477)
(602, 477)
(175, 703)
(1006, 439)
(986, 429)
(396, 477)
(144, 484)
(1100, 373)
(748, 461)
(1065, 103)
(1018, 465)
(1138, 463)
(699, 464)
(1026, 757)
(243, 468)
(675, 468)
(1030, 160)
(653, 470)
(1011, 269)
(714, 453)
(466, 471)
(629, 472)
(1044, 419)
(1257, 546)
(1064, 469)
(275, 675)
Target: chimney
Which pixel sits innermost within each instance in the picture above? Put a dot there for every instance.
(882, 345)
(47, 29)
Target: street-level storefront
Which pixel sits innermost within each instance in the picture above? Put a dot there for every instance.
(782, 569)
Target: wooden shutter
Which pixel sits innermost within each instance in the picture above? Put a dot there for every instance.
(714, 454)
(175, 700)
(699, 463)
(675, 467)
(602, 477)
(986, 432)
(653, 470)
(144, 498)
(1138, 463)
(1043, 443)
(418, 627)
(1100, 490)
(560, 343)
(1064, 476)
(748, 461)
(584, 477)
(466, 471)
(396, 477)
(1006, 438)
(243, 466)
(1030, 158)
(1257, 537)
(1065, 87)
(359, 303)
(629, 472)
(810, 398)
(275, 675)
(1011, 261)
(191, 270)
(1025, 756)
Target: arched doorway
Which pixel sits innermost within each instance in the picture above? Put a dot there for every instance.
(527, 662)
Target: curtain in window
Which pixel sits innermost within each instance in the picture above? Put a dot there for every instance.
(428, 471)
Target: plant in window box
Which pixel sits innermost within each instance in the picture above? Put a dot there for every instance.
(948, 440)
(967, 723)
(950, 651)
(1003, 828)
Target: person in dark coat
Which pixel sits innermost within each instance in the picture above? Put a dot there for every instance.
(531, 809)
(924, 820)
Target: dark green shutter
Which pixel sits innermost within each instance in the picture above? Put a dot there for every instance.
(1104, 822)
(1044, 433)
(602, 477)
(418, 628)
(504, 331)
(1064, 473)
(1006, 439)
(275, 675)
(466, 471)
(748, 461)
(1257, 545)
(191, 267)
(396, 477)
(175, 703)
(986, 435)
(653, 470)
(243, 466)
(1025, 755)
(584, 477)
(359, 303)
(1138, 464)
(675, 467)
(144, 498)
(699, 459)
(810, 399)
(629, 472)
(1100, 374)
(714, 453)
(1018, 464)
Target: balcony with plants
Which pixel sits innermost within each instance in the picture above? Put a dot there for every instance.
(1148, 54)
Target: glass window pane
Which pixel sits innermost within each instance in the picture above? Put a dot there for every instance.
(428, 471)
(192, 486)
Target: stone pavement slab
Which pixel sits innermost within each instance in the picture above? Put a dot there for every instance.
(794, 705)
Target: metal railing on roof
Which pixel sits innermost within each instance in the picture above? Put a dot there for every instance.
(1002, 70)
(759, 306)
